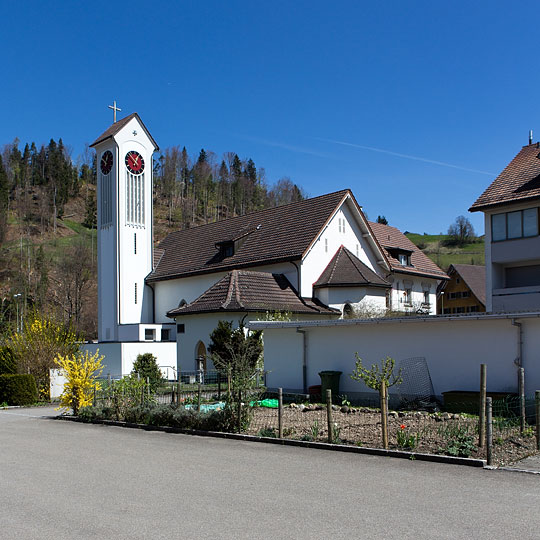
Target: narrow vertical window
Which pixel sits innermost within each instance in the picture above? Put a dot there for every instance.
(326, 245)
(343, 225)
(135, 243)
(357, 251)
(135, 293)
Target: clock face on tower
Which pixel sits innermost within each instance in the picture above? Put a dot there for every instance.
(106, 162)
(134, 162)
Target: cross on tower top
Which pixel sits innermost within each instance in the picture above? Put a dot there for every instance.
(114, 108)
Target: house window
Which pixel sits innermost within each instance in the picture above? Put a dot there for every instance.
(407, 296)
(180, 328)
(447, 311)
(522, 276)
(511, 225)
(459, 310)
(165, 334)
(426, 297)
(149, 334)
(404, 260)
(326, 245)
(465, 294)
(357, 251)
(472, 309)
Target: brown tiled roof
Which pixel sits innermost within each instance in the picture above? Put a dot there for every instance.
(421, 265)
(274, 235)
(242, 290)
(519, 181)
(158, 253)
(117, 126)
(475, 278)
(347, 270)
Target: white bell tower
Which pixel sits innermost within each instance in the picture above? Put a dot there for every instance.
(124, 212)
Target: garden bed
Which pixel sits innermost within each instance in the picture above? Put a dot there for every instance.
(418, 431)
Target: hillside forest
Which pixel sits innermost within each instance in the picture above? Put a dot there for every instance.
(48, 219)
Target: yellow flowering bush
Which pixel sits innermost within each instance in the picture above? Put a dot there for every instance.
(38, 343)
(81, 372)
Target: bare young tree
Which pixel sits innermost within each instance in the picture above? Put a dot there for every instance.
(76, 272)
(461, 231)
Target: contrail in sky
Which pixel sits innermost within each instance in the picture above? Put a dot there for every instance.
(290, 147)
(406, 156)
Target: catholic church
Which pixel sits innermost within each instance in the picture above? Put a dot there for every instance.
(319, 258)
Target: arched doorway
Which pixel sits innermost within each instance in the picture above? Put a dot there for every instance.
(200, 355)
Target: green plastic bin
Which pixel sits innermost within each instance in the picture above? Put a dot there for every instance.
(330, 381)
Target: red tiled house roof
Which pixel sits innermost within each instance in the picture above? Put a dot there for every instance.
(519, 181)
(391, 239)
(246, 291)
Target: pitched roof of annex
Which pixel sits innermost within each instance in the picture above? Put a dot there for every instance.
(392, 239)
(347, 270)
(519, 181)
(247, 291)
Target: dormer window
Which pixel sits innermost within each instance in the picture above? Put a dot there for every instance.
(226, 249)
(402, 255)
(404, 260)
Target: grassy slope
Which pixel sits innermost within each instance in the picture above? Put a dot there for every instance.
(431, 245)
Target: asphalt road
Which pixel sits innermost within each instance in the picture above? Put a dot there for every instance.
(63, 480)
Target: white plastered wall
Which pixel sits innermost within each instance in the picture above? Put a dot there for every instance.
(418, 285)
(454, 350)
(372, 300)
(119, 357)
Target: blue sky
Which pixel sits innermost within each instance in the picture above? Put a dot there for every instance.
(414, 105)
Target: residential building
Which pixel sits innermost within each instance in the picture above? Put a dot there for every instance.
(510, 205)
(465, 292)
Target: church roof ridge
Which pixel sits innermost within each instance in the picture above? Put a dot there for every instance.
(278, 234)
(114, 128)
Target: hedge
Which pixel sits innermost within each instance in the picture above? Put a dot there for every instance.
(18, 389)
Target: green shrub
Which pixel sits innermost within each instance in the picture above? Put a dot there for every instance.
(18, 389)
(8, 362)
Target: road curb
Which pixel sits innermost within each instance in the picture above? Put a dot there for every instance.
(413, 456)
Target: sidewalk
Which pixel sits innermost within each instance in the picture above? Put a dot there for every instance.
(530, 464)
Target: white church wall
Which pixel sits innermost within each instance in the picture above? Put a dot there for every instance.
(112, 352)
(454, 350)
(168, 294)
(119, 357)
(107, 279)
(135, 240)
(342, 229)
(165, 353)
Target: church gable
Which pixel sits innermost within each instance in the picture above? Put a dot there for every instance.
(270, 236)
